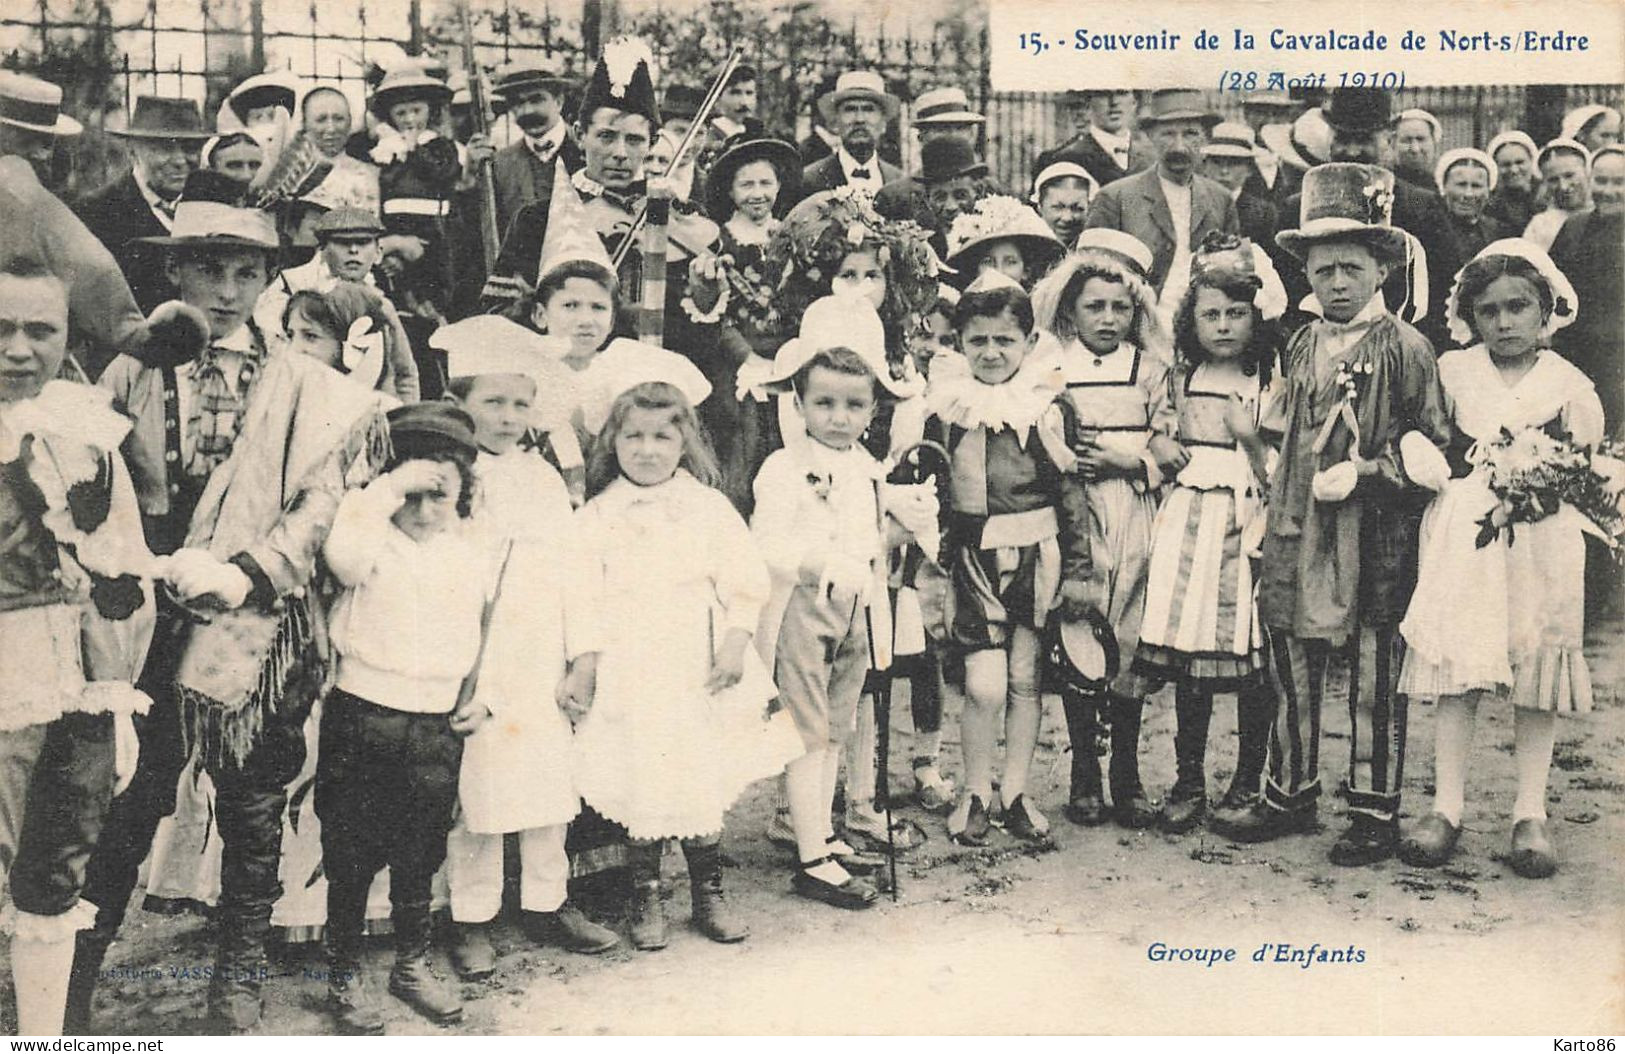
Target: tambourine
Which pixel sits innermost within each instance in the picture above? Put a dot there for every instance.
(1081, 653)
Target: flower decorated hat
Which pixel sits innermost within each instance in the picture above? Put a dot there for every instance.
(1227, 254)
(1344, 201)
(1565, 304)
(1002, 218)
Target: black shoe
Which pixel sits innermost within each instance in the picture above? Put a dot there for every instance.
(354, 1010)
(472, 955)
(853, 894)
(235, 1001)
(1024, 821)
(975, 822)
(1367, 841)
(649, 931)
(570, 929)
(1088, 811)
(1182, 811)
(1430, 842)
(711, 913)
(1262, 823)
(1135, 812)
(414, 982)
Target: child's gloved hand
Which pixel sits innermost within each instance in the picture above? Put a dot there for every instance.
(1423, 463)
(196, 574)
(845, 578)
(577, 686)
(126, 752)
(914, 505)
(729, 665)
(1334, 484)
(1079, 599)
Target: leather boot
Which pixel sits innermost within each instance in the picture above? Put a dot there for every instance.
(712, 916)
(355, 1011)
(412, 980)
(89, 952)
(1086, 805)
(1130, 806)
(235, 998)
(648, 915)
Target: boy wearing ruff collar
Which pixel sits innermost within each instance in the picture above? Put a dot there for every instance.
(1016, 538)
(75, 621)
(239, 458)
(822, 529)
(1340, 548)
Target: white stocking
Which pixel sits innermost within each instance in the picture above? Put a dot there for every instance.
(1534, 734)
(1452, 744)
(39, 970)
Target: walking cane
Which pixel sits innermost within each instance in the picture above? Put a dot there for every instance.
(881, 690)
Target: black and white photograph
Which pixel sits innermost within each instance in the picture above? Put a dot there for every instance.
(812, 518)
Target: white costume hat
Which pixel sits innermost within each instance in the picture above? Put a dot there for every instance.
(624, 365)
(842, 321)
(1565, 305)
(1454, 157)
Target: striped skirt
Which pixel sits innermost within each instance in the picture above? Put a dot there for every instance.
(1201, 623)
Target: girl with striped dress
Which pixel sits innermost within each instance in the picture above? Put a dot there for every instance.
(1201, 629)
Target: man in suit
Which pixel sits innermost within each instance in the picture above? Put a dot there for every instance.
(1363, 133)
(164, 135)
(1228, 159)
(1170, 207)
(857, 110)
(939, 114)
(1271, 178)
(1104, 142)
(523, 171)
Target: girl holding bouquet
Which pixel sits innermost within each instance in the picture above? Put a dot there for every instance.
(1498, 609)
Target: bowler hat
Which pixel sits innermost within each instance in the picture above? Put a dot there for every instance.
(156, 117)
(949, 157)
(1358, 110)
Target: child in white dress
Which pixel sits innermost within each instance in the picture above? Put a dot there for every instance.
(674, 710)
(1505, 621)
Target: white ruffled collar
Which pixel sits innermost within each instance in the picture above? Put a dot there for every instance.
(81, 413)
(623, 495)
(1017, 404)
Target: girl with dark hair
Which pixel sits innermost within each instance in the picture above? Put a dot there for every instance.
(1201, 628)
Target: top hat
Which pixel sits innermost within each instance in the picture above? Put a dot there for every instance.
(1230, 139)
(858, 84)
(622, 79)
(211, 212)
(680, 101)
(945, 106)
(1344, 201)
(28, 102)
(949, 157)
(784, 158)
(408, 84)
(157, 117)
(1179, 104)
(1358, 110)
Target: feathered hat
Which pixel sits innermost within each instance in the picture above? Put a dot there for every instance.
(623, 79)
(1001, 218)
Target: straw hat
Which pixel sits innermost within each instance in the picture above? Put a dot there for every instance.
(28, 102)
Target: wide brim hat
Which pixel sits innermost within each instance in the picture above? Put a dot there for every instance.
(34, 104)
(839, 321)
(481, 345)
(211, 213)
(858, 84)
(1082, 653)
(945, 106)
(784, 158)
(1002, 218)
(1304, 143)
(1178, 104)
(1345, 201)
(1230, 139)
(515, 77)
(1565, 303)
(156, 117)
(407, 85)
(264, 89)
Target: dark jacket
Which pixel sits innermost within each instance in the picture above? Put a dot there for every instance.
(1084, 150)
(1590, 251)
(117, 214)
(521, 177)
(827, 174)
(1136, 205)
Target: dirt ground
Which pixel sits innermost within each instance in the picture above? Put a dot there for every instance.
(1012, 939)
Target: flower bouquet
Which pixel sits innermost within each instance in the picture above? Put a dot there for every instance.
(1537, 471)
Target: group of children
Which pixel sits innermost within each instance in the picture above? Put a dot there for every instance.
(541, 578)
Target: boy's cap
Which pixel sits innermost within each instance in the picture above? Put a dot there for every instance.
(842, 321)
(348, 219)
(428, 427)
